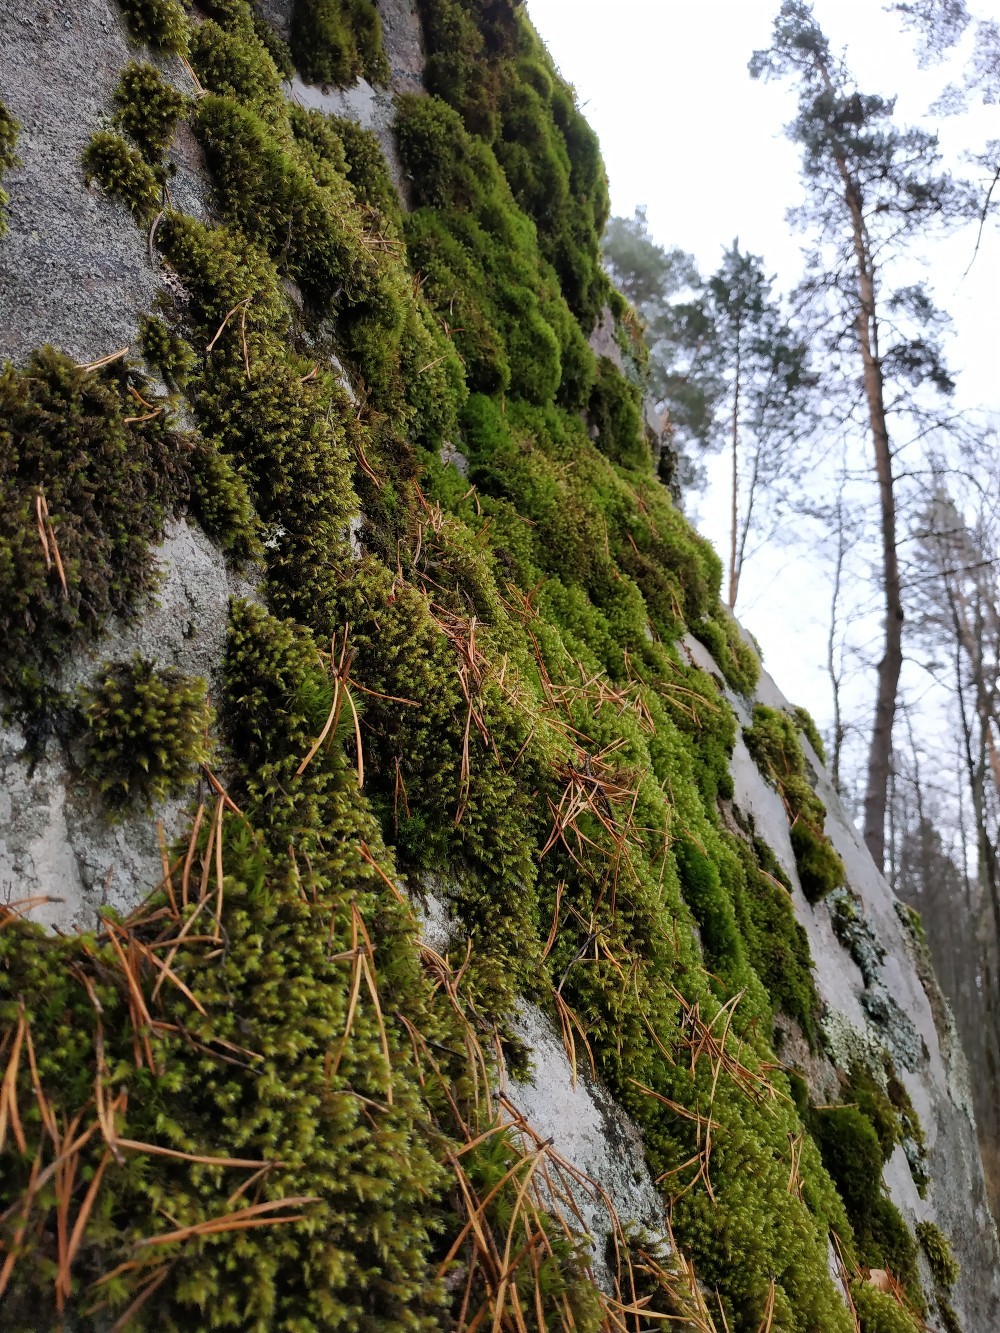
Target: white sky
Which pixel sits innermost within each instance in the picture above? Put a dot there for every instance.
(686, 132)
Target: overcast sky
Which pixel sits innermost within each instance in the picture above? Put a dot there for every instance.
(688, 134)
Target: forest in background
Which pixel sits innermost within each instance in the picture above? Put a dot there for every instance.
(833, 422)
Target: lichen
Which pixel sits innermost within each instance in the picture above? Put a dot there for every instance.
(145, 732)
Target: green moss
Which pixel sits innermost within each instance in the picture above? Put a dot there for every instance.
(337, 41)
(777, 945)
(615, 414)
(478, 252)
(494, 70)
(805, 724)
(110, 475)
(123, 172)
(148, 109)
(222, 505)
(144, 732)
(9, 130)
(774, 745)
(853, 1155)
(168, 352)
(934, 1243)
(161, 23)
(879, 1312)
(231, 60)
(529, 734)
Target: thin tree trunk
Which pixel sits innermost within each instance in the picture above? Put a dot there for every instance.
(734, 566)
(889, 668)
(831, 645)
(891, 664)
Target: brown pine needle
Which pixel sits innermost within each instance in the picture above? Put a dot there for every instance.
(155, 1150)
(240, 305)
(155, 1282)
(63, 1282)
(241, 1220)
(8, 1089)
(90, 366)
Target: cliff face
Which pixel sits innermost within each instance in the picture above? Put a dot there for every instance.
(449, 930)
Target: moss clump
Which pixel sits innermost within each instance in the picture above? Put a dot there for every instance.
(615, 415)
(935, 1245)
(493, 69)
(9, 130)
(230, 59)
(483, 271)
(161, 23)
(777, 945)
(804, 722)
(123, 172)
(148, 109)
(220, 500)
(170, 353)
(336, 41)
(853, 1155)
(774, 745)
(878, 1312)
(84, 462)
(144, 732)
(944, 1269)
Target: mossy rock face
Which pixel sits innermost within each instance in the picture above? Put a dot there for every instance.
(474, 677)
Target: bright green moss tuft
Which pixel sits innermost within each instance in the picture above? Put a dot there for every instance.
(879, 1312)
(9, 130)
(144, 732)
(123, 172)
(231, 60)
(774, 745)
(337, 41)
(935, 1245)
(483, 271)
(161, 23)
(222, 505)
(494, 70)
(148, 109)
(853, 1156)
(777, 945)
(168, 352)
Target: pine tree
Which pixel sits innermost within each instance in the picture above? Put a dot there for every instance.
(873, 189)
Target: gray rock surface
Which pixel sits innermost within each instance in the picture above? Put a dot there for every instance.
(74, 268)
(592, 1133)
(56, 840)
